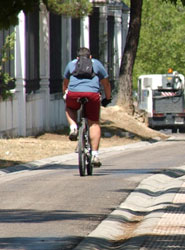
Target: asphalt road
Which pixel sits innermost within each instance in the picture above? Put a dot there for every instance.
(52, 207)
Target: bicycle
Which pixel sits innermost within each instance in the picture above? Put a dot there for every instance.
(84, 145)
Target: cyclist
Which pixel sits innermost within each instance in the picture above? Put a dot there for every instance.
(75, 88)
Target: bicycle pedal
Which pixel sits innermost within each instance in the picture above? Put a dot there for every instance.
(97, 165)
(96, 162)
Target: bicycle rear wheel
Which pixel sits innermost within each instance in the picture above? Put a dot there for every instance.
(84, 150)
(89, 155)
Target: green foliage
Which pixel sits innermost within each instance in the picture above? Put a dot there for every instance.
(73, 8)
(6, 55)
(11, 8)
(175, 1)
(127, 2)
(162, 37)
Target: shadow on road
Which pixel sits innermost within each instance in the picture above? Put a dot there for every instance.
(45, 243)
(38, 216)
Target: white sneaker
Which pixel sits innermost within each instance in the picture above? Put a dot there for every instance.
(73, 134)
(96, 161)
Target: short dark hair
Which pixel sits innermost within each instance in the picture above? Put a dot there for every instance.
(83, 52)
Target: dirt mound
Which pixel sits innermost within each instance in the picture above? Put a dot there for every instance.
(115, 116)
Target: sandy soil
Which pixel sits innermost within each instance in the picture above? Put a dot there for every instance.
(118, 128)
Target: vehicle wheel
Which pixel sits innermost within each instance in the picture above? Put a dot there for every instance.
(89, 168)
(89, 165)
(88, 152)
(174, 130)
(181, 130)
(81, 152)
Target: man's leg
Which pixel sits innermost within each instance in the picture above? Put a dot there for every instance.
(71, 115)
(95, 135)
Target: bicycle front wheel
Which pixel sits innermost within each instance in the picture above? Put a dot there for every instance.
(84, 150)
(81, 150)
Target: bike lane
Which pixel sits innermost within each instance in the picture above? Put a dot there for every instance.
(152, 214)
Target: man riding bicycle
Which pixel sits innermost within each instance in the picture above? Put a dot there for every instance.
(77, 87)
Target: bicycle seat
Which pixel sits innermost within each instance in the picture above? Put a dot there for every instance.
(82, 100)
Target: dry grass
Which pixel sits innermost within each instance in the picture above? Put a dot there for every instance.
(114, 122)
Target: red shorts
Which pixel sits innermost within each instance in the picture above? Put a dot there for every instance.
(92, 107)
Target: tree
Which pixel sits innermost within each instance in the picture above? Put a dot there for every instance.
(128, 58)
(69, 7)
(6, 81)
(175, 1)
(161, 43)
(11, 8)
(125, 87)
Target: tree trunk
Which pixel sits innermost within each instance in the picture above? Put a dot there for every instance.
(125, 87)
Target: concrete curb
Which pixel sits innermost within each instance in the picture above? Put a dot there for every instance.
(139, 214)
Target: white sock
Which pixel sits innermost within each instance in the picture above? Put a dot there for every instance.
(73, 127)
(95, 152)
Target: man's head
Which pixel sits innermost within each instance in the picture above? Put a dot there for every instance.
(83, 52)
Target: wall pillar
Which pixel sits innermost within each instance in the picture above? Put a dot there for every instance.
(44, 63)
(20, 73)
(103, 36)
(84, 32)
(66, 41)
(118, 41)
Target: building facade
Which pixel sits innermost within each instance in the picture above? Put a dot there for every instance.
(44, 44)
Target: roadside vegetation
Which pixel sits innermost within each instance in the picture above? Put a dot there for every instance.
(162, 36)
(154, 43)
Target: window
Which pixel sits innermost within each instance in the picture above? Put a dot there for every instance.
(75, 36)
(32, 52)
(94, 33)
(55, 53)
(111, 54)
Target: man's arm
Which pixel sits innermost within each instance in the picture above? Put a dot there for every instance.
(107, 88)
(65, 85)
